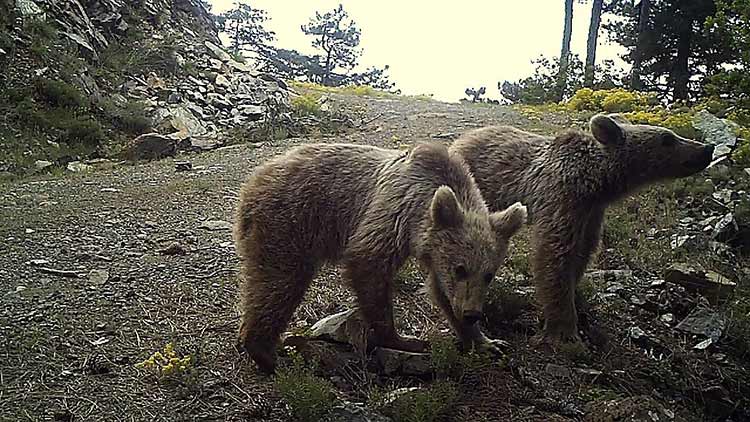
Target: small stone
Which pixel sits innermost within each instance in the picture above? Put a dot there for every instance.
(636, 333)
(78, 167)
(174, 98)
(678, 241)
(183, 165)
(216, 225)
(704, 344)
(42, 164)
(98, 276)
(222, 81)
(173, 249)
(343, 327)
(446, 135)
(657, 284)
(637, 300)
(19, 289)
(588, 373)
(668, 319)
(217, 52)
(724, 196)
(558, 371)
(725, 228)
(401, 362)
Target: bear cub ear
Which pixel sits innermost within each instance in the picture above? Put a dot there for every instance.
(507, 222)
(444, 209)
(606, 130)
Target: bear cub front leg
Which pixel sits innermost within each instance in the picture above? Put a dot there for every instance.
(375, 299)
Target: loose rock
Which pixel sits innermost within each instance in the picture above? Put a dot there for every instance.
(712, 285)
(704, 322)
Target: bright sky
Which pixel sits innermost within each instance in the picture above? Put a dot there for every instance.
(442, 47)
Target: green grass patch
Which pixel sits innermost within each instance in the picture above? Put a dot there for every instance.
(357, 90)
(309, 397)
(448, 361)
(424, 405)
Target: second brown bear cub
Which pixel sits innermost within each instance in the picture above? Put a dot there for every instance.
(368, 209)
(568, 181)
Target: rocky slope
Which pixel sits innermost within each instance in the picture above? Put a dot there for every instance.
(143, 66)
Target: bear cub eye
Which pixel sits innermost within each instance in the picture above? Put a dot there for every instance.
(669, 140)
(489, 277)
(461, 272)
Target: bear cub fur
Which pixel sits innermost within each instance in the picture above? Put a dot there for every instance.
(367, 209)
(568, 181)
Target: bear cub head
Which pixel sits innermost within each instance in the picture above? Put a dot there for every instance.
(652, 153)
(462, 249)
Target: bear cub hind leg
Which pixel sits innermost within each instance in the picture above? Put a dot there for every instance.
(268, 303)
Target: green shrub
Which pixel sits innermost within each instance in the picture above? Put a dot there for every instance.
(84, 133)
(616, 100)
(425, 405)
(741, 155)
(57, 93)
(679, 121)
(42, 34)
(738, 328)
(306, 105)
(308, 396)
(131, 119)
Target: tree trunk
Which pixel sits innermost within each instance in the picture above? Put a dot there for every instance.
(236, 46)
(327, 70)
(681, 71)
(562, 75)
(643, 17)
(596, 20)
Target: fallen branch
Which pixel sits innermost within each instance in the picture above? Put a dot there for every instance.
(61, 273)
(367, 122)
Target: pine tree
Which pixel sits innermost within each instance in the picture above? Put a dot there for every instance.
(338, 38)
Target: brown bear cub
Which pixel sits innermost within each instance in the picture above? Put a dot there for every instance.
(368, 209)
(567, 182)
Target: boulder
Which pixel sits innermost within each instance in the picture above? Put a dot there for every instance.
(150, 146)
(217, 52)
(720, 132)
